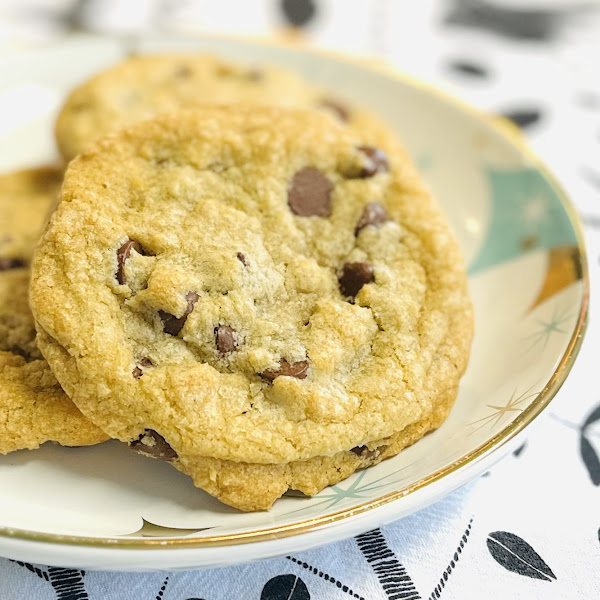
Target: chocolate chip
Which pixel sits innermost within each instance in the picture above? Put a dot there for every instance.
(80, 106)
(367, 454)
(358, 450)
(255, 75)
(151, 443)
(242, 259)
(226, 338)
(376, 161)
(172, 324)
(373, 214)
(123, 254)
(297, 370)
(6, 264)
(354, 276)
(310, 193)
(340, 111)
(137, 371)
(224, 70)
(183, 71)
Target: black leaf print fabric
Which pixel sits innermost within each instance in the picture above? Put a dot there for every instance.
(590, 459)
(298, 12)
(588, 453)
(468, 67)
(523, 117)
(285, 587)
(592, 417)
(499, 19)
(516, 555)
(519, 450)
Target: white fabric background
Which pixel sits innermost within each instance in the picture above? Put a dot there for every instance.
(546, 496)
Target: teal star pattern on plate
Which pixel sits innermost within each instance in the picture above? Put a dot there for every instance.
(358, 488)
(546, 328)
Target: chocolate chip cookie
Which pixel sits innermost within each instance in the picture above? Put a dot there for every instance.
(33, 407)
(229, 481)
(143, 86)
(252, 288)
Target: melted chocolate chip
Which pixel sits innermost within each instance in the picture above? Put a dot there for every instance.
(310, 193)
(80, 106)
(340, 111)
(226, 339)
(151, 443)
(183, 71)
(354, 276)
(137, 371)
(255, 75)
(367, 454)
(226, 71)
(123, 254)
(373, 214)
(376, 161)
(242, 259)
(297, 370)
(6, 264)
(172, 324)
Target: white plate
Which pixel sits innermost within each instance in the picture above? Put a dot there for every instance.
(105, 507)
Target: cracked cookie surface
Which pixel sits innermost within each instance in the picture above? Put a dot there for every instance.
(143, 86)
(232, 288)
(33, 407)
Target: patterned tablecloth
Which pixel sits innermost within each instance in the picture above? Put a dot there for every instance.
(529, 529)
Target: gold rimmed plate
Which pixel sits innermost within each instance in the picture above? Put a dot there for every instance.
(106, 508)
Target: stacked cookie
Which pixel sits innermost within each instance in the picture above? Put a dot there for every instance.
(265, 296)
(33, 407)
